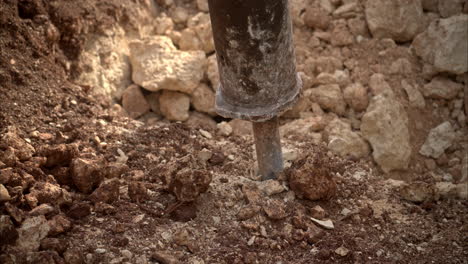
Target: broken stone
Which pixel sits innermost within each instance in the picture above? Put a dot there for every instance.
(213, 72)
(385, 125)
(444, 44)
(157, 64)
(59, 224)
(248, 212)
(275, 209)
(355, 95)
(188, 184)
(164, 258)
(73, 256)
(417, 192)
(342, 251)
(204, 155)
(378, 84)
(318, 212)
(414, 95)
(59, 155)
(341, 36)
(174, 105)
(86, 173)
(53, 244)
(439, 139)
(164, 24)
(42, 209)
(4, 194)
(31, 232)
(202, 5)
(46, 192)
(134, 102)
(327, 224)
(400, 20)
(317, 18)
(271, 187)
(201, 25)
(344, 142)
(224, 128)
(107, 192)
(79, 210)
(203, 99)
(197, 120)
(329, 97)
(241, 127)
(311, 179)
(442, 88)
(137, 191)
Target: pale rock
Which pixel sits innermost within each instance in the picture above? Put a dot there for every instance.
(271, 187)
(341, 36)
(4, 194)
(204, 155)
(378, 84)
(213, 72)
(179, 15)
(134, 102)
(304, 126)
(301, 106)
(385, 126)
(31, 232)
(201, 25)
(417, 192)
(317, 18)
(327, 6)
(448, 8)
(346, 10)
(18, 146)
(344, 142)
(202, 5)
(197, 119)
(342, 251)
(415, 97)
(174, 105)
(175, 36)
(189, 40)
(327, 224)
(203, 99)
(241, 127)
(329, 97)
(296, 8)
(358, 27)
(205, 134)
(439, 139)
(338, 77)
(442, 88)
(164, 24)
(224, 128)
(444, 44)
(328, 64)
(401, 66)
(157, 64)
(400, 20)
(355, 95)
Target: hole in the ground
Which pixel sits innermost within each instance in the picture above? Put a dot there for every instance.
(28, 9)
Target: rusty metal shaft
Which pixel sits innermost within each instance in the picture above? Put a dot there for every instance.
(268, 147)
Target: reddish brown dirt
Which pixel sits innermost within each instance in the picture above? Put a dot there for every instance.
(38, 98)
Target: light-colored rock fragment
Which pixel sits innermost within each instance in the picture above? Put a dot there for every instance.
(31, 232)
(438, 140)
(202, 5)
(327, 224)
(415, 97)
(224, 128)
(201, 25)
(203, 99)
(4, 194)
(329, 97)
(442, 88)
(355, 95)
(174, 105)
(344, 142)
(448, 8)
(444, 44)
(134, 102)
(157, 65)
(378, 84)
(400, 20)
(212, 72)
(385, 126)
(164, 24)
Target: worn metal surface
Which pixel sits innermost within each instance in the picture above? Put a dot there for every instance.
(255, 54)
(268, 147)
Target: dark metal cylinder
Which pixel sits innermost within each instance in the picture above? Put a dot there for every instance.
(268, 148)
(254, 49)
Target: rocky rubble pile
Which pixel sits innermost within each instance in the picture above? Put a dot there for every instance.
(372, 70)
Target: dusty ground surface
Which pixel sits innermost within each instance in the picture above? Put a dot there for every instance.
(87, 184)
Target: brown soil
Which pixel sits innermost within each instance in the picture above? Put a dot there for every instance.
(230, 222)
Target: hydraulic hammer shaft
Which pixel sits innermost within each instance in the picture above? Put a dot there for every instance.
(256, 62)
